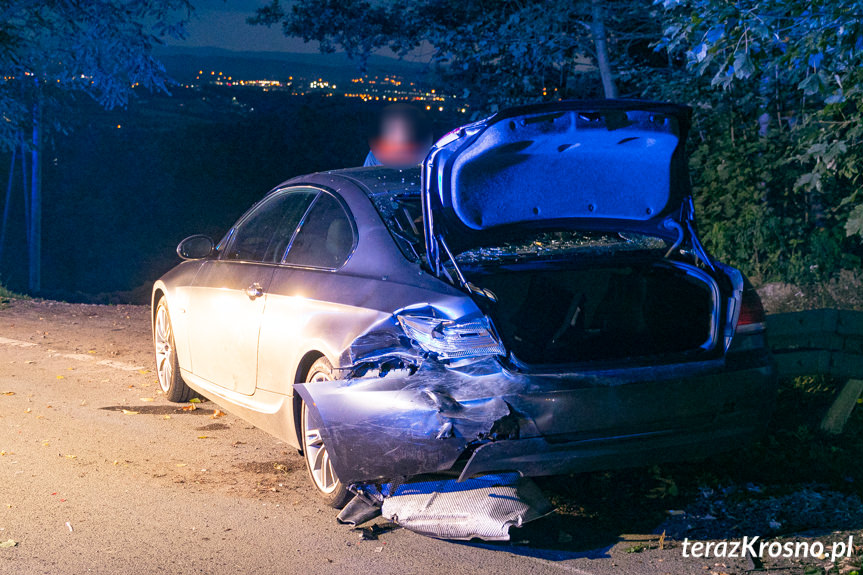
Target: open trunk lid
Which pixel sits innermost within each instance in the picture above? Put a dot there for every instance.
(614, 165)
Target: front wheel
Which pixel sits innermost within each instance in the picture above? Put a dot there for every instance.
(167, 367)
(318, 463)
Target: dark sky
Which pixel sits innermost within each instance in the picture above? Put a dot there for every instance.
(222, 23)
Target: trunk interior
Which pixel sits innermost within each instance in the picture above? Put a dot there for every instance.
(639, 310)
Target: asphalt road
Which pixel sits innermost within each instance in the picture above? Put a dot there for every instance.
(100, 474)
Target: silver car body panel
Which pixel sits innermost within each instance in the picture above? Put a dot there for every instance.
(247, 353)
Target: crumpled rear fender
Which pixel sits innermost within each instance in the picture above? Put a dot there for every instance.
(398, 425)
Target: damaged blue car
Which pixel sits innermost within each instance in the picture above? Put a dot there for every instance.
(535, 299)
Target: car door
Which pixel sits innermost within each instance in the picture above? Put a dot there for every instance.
(230, 293)
(303, 295)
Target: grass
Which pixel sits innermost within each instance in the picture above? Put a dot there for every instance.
(7, 295)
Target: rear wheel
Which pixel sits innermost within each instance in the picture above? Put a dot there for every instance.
(168, 369)
(318, 463)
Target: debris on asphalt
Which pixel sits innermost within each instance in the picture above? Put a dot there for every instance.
(69, 525)
(483, 507)
(372, 532)
(8, 543)
(365, 506)
(218, 413)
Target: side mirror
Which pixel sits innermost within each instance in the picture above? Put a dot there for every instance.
(195, 247)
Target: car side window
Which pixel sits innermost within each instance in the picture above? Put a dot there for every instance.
(326, 237)
(263, 235)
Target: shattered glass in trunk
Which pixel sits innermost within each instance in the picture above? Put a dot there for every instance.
(611, 310)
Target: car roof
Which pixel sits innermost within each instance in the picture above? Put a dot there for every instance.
(382, 180)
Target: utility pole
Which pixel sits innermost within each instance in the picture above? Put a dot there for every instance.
(8, 203)
(34, 246)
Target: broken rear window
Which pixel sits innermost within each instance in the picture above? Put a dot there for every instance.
(402, 214)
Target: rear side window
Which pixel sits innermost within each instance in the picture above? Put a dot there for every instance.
(264, 234)
(326, 237)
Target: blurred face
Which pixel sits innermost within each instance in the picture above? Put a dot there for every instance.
(397, 144)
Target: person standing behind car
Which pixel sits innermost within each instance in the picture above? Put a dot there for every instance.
(402, 139)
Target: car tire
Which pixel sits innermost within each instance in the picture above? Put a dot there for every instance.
(318, 465)
(167, 367)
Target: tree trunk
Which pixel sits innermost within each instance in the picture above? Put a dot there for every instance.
(600, 42)
(34, 247)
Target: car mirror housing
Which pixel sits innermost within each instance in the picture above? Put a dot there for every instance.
(195, 247)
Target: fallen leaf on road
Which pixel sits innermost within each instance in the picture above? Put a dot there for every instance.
(130, 412)
(190, 407)
(30, 362)
(8, 393)
(28, 410)
(91, 351)
(147, 399)
(71, 457)
(218, 413)
(143, 371)
(181, 465)
(8, 543)
(194, 400)
(166, 417)
(203, 436)
(61, 377)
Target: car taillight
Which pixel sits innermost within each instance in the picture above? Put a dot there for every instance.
(452, 339)
(752, 315)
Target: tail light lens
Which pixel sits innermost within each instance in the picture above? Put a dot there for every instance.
(452, 339)
(752, 317)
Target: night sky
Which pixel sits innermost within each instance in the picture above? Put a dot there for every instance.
(223, 24)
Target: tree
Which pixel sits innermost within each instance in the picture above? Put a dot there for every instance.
(51, 50)
(503, 51)
(803, 63)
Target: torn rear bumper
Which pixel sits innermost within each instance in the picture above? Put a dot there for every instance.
(482, 418)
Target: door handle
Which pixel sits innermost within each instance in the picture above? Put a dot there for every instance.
(254, 291)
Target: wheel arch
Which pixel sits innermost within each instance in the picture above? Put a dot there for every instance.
(159, 292)
(303, 368)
